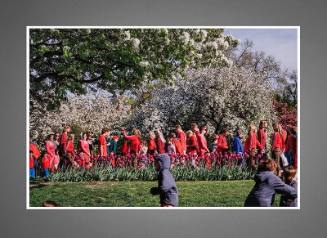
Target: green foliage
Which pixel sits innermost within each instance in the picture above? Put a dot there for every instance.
(107, 173)
(116, 60)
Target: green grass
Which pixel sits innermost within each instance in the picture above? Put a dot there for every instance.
(136, 194)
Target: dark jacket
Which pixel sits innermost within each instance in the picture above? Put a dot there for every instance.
(289, 201)
(166, 183)
(266, 185)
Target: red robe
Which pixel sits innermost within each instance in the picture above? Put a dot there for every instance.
(152, 144)
(262, 138)
(182, 137)
(35, 151)
(160, 146)
(70, 147)
(203, 147)
(222, 144)
(63, 141)
(192, 145)
(50, 158)
(135, 146)
(277, 141)
(31, 162)
(124, 148)
(84, 151)
(178, 146)
(251, 143)
(103, 145)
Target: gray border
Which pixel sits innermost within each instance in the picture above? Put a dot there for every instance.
(310, 220)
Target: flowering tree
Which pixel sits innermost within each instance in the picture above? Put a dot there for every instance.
(218, 97)
(87, 113)
(64, 61)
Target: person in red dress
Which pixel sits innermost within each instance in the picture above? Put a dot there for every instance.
(182, 138)
(202, 142)
(84, 151)
(64, 140)
(33, 158)
(102, 141)
(34, 155)
(222, 145)
(50, 159)
(152, 147)
(262, 135)
(251, 145)
(277, 145)
(177, 143)
(160, 142)
(135, 144)
(191, 143)
(70, 150)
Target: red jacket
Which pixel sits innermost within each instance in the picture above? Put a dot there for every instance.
(46, 161)
(222, 144)
(103, 145)
(63, 140)
(192, 145)
(160, 146)
(35, 150)
(31, 162)
(203, 147)
(152, 144)
(135, 143)
(251, 143)
(70, 147)
(277, 141)
(178, 146)
(182, 137)
(83, 146)
(262, 138)
(284, 137)
(124, 148)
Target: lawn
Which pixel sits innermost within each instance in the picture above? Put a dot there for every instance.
(136, 194)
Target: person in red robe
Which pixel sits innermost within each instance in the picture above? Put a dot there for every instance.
(50, 159)
(277, 144)
(251, 145)
(102, 142)
(34, 156)
(202, 142)
(64, 140)
(84, 151)
(191, 143)
(182, 138)
(262, 135)
(160, 142)
(152, 147)
(70, 150)
(135, 144)
(177, 143)
(222, 144)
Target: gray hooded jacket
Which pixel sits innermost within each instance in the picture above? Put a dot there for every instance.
(266, 185)
(166, 183)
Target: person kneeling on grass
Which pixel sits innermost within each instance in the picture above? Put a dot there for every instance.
(166, 183)
(267, 184)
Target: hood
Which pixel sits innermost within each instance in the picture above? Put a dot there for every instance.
(263, 175)
(164, 161)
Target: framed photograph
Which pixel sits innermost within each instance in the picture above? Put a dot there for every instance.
(163, 117)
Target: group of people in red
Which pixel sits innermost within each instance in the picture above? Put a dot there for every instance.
(60, 148)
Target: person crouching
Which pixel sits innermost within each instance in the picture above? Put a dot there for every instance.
(267, 184)
(167, 188)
